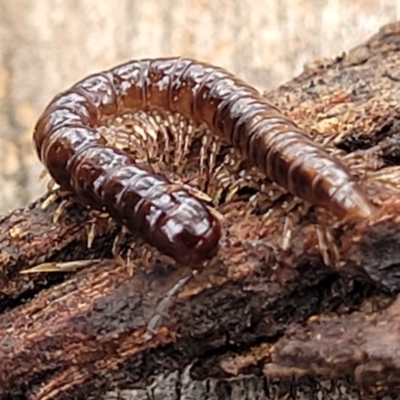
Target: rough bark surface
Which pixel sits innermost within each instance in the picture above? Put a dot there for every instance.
(317, 318)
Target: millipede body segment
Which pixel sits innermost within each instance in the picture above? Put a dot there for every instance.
(165, 214)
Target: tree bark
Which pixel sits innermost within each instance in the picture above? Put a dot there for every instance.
(322, 308)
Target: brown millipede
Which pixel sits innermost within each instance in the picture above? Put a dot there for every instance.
(164, 214)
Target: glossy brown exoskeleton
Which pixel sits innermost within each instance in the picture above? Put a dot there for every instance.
(165, 215)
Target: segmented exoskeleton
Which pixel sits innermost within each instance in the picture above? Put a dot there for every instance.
(164, 214)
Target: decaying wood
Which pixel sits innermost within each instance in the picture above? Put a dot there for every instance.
(290, 293)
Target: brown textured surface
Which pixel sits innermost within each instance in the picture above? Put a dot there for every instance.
(361, 345)
(87, 334)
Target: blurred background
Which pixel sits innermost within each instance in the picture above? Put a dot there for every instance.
(47, 45)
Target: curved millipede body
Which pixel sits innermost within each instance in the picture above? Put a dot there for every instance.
(164, 214)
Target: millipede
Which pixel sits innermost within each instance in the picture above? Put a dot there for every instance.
(163, 213)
